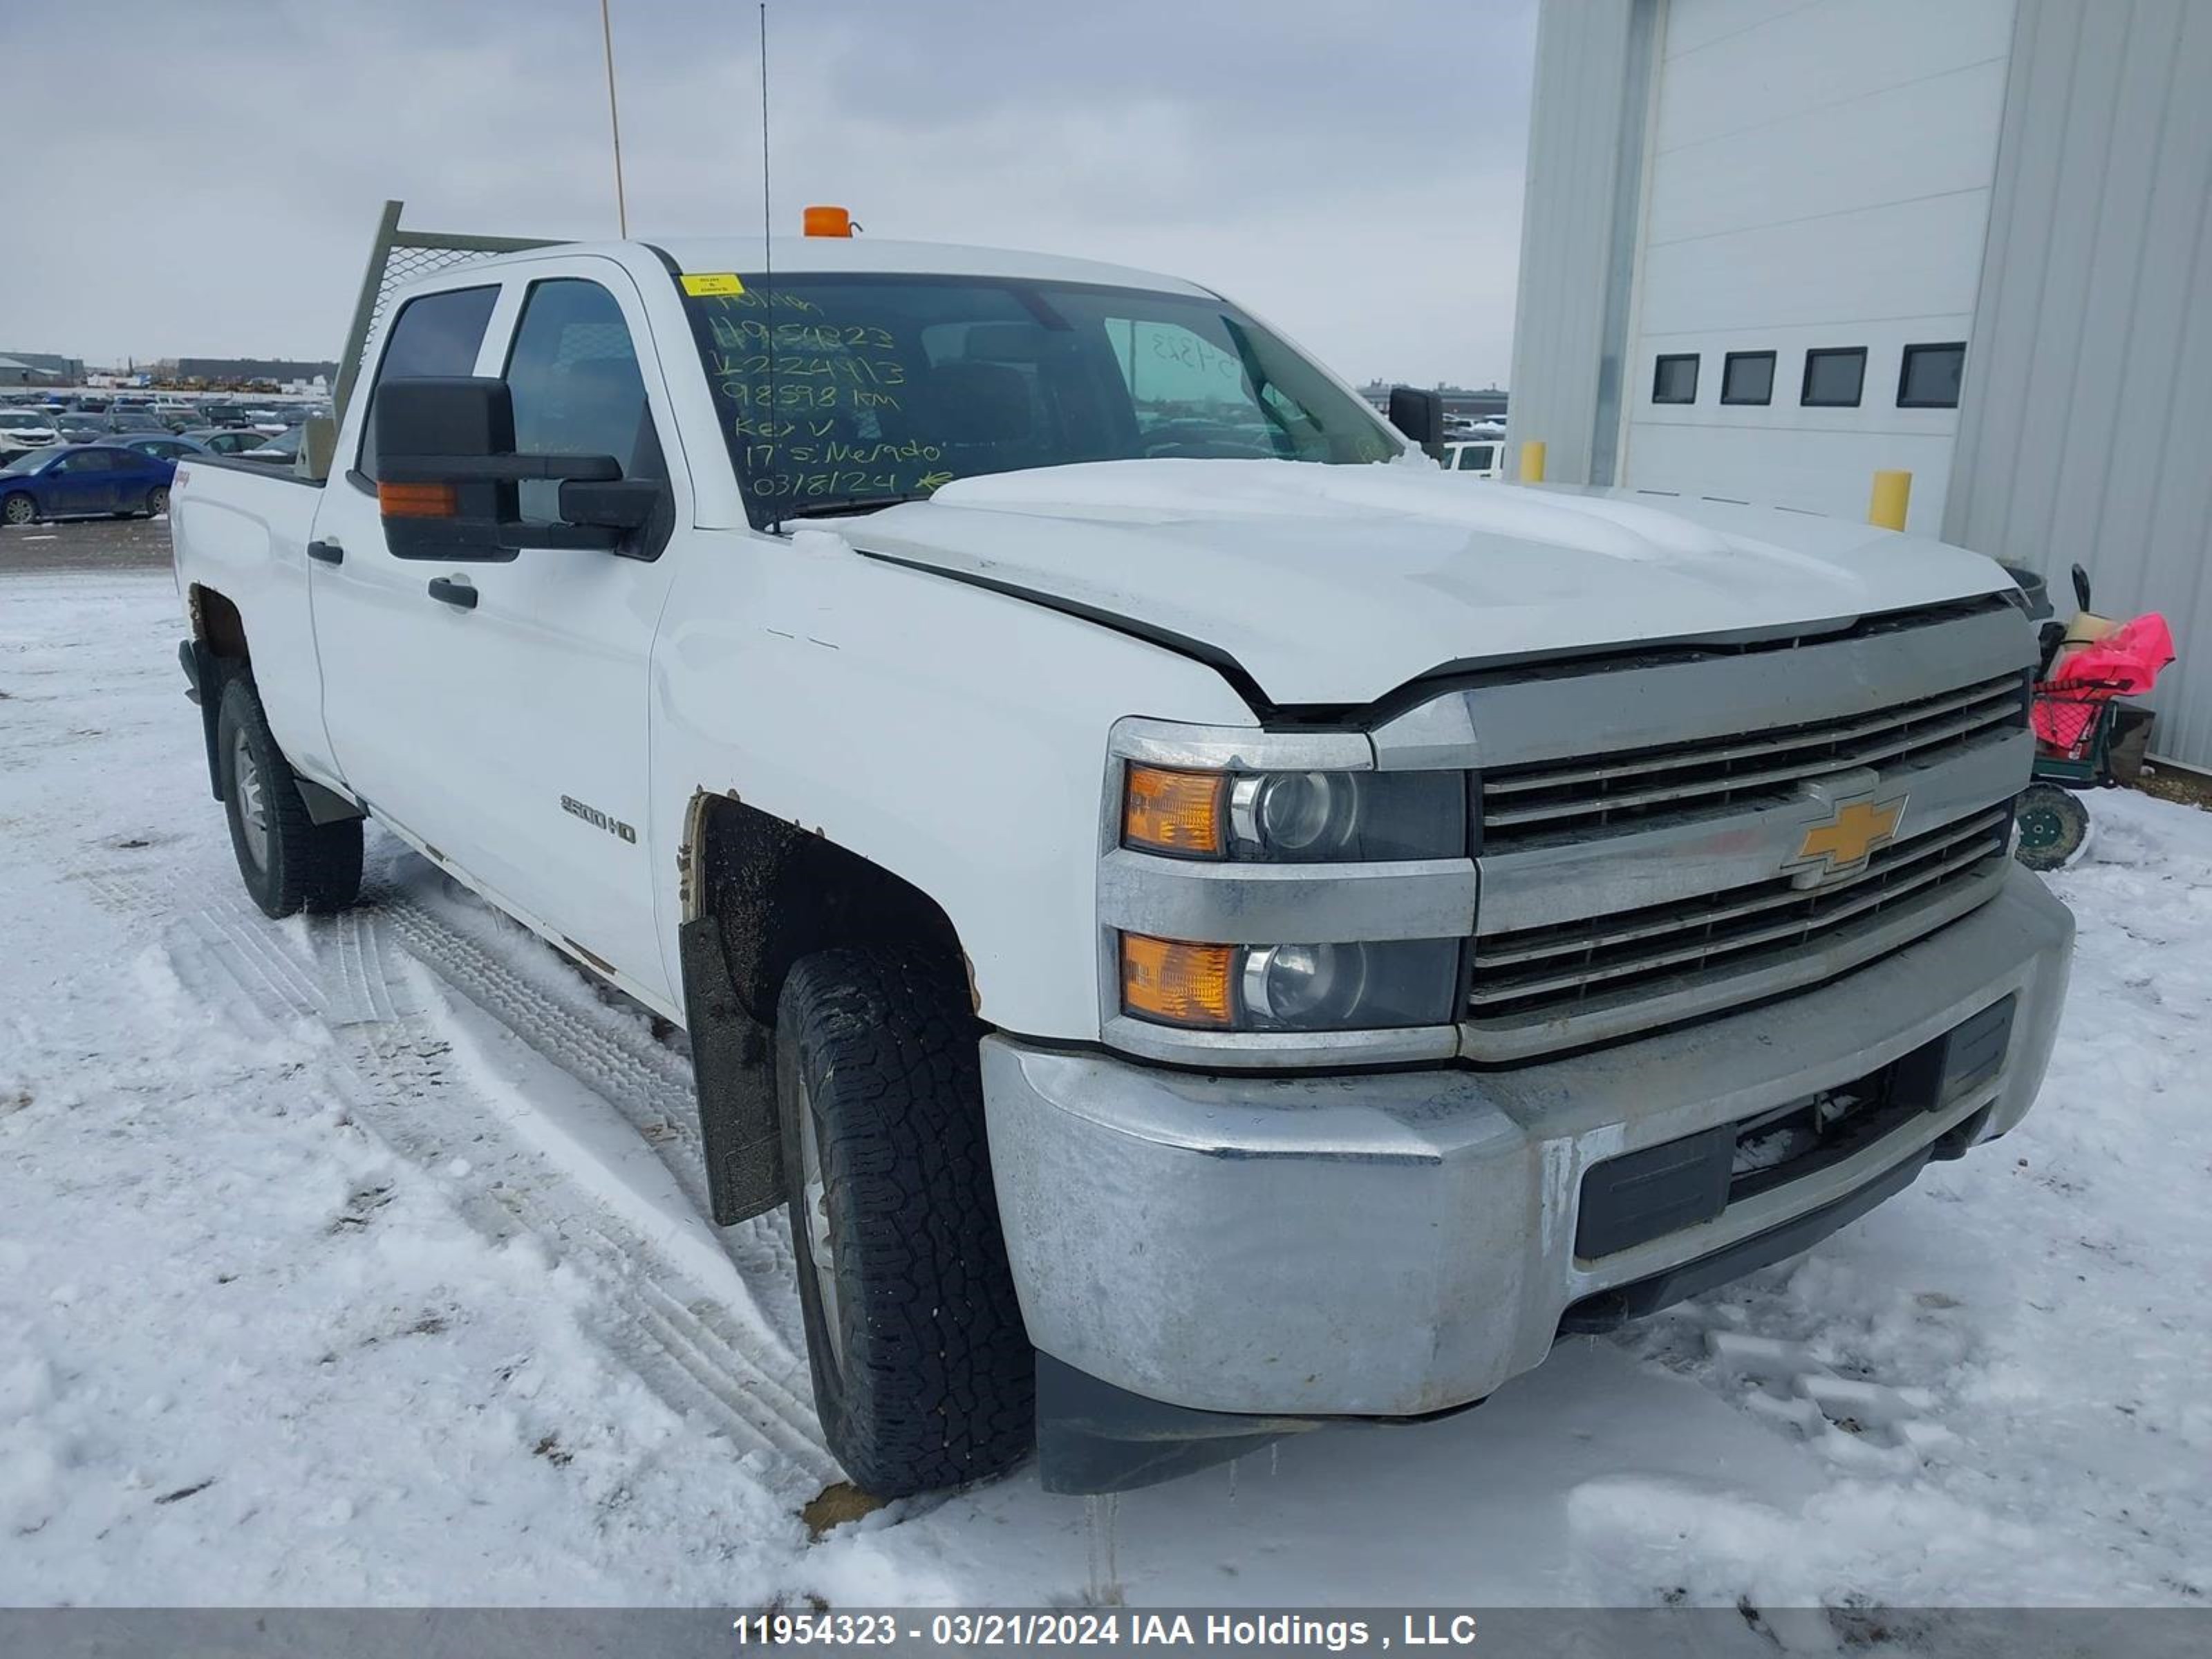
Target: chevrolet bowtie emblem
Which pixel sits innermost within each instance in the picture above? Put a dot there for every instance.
(1845, 840)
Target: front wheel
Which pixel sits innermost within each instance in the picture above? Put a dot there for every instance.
(19, 509)
(285, 858)
(923, 1374)
(2054, 827)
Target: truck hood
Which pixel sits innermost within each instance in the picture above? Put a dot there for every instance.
(1335, 585)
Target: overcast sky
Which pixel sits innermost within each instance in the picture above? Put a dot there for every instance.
(201, 177)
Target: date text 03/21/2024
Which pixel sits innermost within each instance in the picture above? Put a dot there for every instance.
(1055, 1628)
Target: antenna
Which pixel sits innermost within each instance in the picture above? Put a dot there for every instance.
(614, 120)
(768, 252)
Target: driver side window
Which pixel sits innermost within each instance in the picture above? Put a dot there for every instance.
(577, 391)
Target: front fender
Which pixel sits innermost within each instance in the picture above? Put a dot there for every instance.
(954, 736)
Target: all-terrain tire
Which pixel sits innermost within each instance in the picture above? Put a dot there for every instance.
(286, 859)
(924, 1378)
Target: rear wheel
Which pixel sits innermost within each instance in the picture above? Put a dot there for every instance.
(286, 859)
(19, 509)
(2054, 827)
(157, 501)
(923, 1375)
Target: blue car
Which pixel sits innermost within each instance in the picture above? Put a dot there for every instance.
(83, 481)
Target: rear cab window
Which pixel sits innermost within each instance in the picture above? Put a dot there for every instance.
(435, 334)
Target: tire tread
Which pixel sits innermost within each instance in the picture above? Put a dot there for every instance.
(939, 1388)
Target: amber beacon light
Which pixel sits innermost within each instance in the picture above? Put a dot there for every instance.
(829, 222)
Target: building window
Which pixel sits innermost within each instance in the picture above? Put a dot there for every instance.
(1930, 376)
(1674, 380)
(1833, 378)
(1747, 376)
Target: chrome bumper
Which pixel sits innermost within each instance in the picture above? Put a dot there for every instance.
(1396, 1243)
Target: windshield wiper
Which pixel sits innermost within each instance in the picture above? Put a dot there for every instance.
(840, 506)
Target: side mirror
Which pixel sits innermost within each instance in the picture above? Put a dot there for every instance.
(448, 473)
(1420, 415)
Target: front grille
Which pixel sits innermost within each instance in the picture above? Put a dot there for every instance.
(1579, 799)
(1553, 971)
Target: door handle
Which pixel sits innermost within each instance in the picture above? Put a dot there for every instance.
(448, 589)
(326, 552)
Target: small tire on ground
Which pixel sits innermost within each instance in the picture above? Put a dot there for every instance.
(929, 1381)
(300, 863)
(2054, 827)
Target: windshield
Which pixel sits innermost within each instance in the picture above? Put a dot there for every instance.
(884, 387)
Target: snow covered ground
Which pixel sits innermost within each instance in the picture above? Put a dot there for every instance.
(360, 1260)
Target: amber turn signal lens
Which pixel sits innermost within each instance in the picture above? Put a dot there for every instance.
(418, 500)
(1180, 984)
(1166, 812)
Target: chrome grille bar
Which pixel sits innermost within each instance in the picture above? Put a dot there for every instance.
(1728, 771)
(1683, 938)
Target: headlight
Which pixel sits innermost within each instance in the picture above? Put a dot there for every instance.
(1290, 988)
(1295, 817)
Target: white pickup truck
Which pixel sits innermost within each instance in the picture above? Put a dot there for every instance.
(1212, 924)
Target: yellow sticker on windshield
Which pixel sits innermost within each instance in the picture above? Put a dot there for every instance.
(700, 283)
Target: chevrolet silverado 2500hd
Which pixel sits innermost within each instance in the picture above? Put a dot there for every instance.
(1211, 923)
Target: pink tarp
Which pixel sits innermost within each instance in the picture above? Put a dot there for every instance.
(2126, 662)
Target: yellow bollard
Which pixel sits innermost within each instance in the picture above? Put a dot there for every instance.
(1531, 461)
(1892, 494)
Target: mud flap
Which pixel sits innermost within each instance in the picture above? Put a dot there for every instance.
(203, 685)
(734, 1060)
(1094, 1437)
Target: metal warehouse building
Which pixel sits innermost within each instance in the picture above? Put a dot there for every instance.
(1773, 246)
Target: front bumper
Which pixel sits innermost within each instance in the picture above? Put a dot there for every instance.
(1393, 1244)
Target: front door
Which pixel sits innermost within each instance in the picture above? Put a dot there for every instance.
(83, 483)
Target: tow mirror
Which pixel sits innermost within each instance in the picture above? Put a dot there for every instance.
(447, 473)
(1420, 415)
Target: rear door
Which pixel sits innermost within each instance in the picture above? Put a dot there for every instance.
(381, 640)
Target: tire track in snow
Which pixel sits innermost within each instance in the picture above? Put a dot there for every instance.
(394, 1071)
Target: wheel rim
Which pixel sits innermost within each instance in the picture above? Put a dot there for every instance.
(814, 1216)
(19, 510)
(252, 800)
(157, 501)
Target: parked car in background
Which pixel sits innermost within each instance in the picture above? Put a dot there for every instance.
(1483, 457)
(82, 427)
(224, 440)
(283, 450)
(225, 414)
(169, 446)
(83, 481)
(26, 428)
